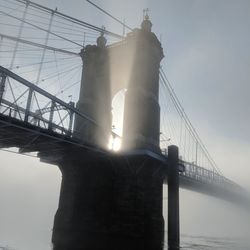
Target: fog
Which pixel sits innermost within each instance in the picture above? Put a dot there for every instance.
(29, 192)
(207, 50)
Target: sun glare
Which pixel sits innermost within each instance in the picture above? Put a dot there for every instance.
(114, 143)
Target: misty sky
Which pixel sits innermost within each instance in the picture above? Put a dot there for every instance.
(207, 59)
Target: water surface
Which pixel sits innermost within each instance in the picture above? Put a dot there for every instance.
(211, 243)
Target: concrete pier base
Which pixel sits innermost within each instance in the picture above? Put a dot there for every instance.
(109, 202)
(173, 199)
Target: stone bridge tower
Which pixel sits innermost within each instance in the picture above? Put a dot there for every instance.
(141, 129)
(109, 200)
(95, 97)
(132, 64)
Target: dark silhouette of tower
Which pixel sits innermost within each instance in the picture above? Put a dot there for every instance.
(95, 97)
(114, 200)
(141, 129)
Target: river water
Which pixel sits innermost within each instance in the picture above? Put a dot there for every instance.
(187, 243)
(211, 243)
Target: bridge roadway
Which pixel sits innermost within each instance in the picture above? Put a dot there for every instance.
(31, 131)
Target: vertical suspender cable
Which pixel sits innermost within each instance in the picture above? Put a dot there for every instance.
(19, 35)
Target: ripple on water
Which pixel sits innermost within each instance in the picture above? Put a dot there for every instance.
(211, 243)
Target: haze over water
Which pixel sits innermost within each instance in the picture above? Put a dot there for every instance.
(211, 243)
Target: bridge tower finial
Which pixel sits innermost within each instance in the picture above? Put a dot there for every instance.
(101, 40)
(145, 14)
(146, 23)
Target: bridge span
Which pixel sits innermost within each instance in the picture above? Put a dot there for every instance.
(37, 131)
(106, 196)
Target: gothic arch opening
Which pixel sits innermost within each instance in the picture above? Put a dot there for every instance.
(117, 120)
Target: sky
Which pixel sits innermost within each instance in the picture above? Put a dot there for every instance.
(207, 59)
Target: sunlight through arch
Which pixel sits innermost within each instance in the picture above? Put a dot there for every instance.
(117, 120)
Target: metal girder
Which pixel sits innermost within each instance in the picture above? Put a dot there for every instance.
(34, 88)
(20, 126)
(36, 116)
(2, 85)
(44, 93)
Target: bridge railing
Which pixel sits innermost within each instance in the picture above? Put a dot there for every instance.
(203, 175)
(207, 176)
(26, 102)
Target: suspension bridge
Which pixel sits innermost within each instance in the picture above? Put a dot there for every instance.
(45, 60)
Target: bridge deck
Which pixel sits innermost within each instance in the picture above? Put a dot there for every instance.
(51, 147)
